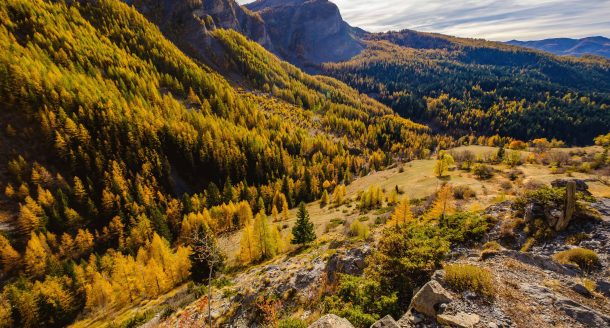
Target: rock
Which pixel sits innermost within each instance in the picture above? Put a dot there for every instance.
(438, 275)
(582, 290)
(349, 262)
(603, 287)
(533, 211)
(580, 185)
(430, 295)
(554, 217)
(409, 319)
(461, 320)
(543, 262)
(331, 321)
(569, 207)
(492, 325)
(385, 322)
(582, 314)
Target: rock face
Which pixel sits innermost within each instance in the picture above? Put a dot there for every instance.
(385, 322)
(349, 262)
(430, 295)
(188, 24)
(461, 320)
(331, 321)
(581, 313)
(308, 32)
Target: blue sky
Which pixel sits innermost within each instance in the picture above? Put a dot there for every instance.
(489, 19)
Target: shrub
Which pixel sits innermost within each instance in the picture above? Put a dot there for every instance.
(483, 171)
(463, 277)
(492, 246)
(463, 192)
(586, 259)
(357, 229)
(291, 323)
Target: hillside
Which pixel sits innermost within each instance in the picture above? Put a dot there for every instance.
(596, 45)
(117, 148)
(470, 86)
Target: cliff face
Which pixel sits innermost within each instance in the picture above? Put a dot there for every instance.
(188, 23)
(308, 32)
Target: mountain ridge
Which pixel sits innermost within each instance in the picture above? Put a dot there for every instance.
(594, 45)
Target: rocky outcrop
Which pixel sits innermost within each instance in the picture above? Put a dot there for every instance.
(581, 313)
(429, 297)
(331, 321)
(348, 262)
(386, 322)
(581, 185)
(460, 320)
(308, 32)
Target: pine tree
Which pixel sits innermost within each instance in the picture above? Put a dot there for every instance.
(303, 231)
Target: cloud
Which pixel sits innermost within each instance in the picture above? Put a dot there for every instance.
(489, 19)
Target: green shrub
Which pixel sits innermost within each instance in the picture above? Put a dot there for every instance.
(586, 259)
(292, 323)
(463, 277)
(359, 230)
(463, 192)
(483, 171)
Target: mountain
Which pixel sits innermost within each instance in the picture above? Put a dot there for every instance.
(596, 45)
(468, 86)
(308, 32)
(116, 148)
(305, 33)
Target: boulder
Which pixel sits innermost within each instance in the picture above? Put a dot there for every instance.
(581, 289)
(385, 322)
(331, 321)
(349, 262)
(429, 296)
(461, 320)
(541, 261)
(603, 287)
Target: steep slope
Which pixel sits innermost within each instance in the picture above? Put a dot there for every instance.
(468, 86)
(596, 45)
(308, 32)
(106, 125)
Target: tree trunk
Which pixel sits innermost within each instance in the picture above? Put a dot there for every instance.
(210, 297)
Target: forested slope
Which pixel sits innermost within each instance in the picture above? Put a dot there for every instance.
(106, 124)
(480, 87)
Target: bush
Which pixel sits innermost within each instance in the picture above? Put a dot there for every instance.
(492, 246)
(463, 192)
(466, 277)
(483, 172)
(357, 229)
(586, 259)
(291, 323)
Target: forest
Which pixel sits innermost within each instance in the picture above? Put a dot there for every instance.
(466, 86)
(117, 147)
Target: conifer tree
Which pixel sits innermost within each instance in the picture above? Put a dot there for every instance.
(303, 231)
(402, 214)
(324, 199)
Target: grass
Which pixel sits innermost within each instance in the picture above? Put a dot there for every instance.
(466, 277)
(586, 259)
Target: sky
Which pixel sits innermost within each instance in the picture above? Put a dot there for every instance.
(499, 20)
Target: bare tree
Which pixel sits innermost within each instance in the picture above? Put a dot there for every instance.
(205, 249)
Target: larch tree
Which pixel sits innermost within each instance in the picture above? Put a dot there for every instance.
(443, 163)
(402, 214)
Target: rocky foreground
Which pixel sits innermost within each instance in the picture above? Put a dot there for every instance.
(532, 287)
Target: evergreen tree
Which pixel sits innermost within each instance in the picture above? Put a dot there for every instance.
(303, 231)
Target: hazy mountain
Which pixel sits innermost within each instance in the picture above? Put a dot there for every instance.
(596, 45)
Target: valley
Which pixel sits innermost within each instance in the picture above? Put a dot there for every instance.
(198, 163)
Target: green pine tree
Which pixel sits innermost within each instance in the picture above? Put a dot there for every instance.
(303, 231)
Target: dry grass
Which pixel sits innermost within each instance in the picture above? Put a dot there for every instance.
(586, 259)
(463, 277)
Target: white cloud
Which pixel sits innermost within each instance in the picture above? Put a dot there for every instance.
(489, 19)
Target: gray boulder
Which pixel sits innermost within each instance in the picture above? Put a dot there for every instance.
(385, 322)
(429, 296)
(460, 320)
(331, 321)
(350, 262)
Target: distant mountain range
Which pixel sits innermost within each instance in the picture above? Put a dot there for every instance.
(596, 45)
